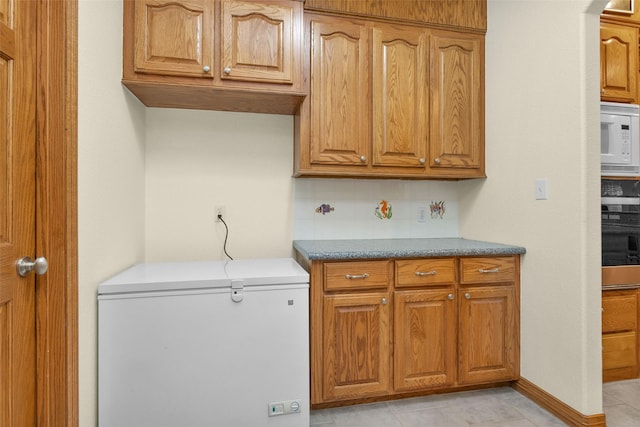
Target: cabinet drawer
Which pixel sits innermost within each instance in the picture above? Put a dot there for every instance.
(619, 312)
(356, 275)
(619, 350)
(487, 270)
(418, 272)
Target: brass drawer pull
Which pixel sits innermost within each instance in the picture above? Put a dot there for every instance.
(493, 270)
(356, 276)
(426, 273)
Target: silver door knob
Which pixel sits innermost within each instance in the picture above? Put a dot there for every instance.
(450, 296)
(384, 301)
(467, 295)
(437, 160)
(421, 161)
(25, 265)
(227, 70)
(206, 68)
(363, 158)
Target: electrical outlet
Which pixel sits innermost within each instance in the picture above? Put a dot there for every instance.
(422, 214)
(220, 212)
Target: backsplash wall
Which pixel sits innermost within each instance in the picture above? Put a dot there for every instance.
(380, 209)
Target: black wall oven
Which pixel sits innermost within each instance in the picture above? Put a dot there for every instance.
(620, 222)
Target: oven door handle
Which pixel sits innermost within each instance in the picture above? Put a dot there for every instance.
(620, 201)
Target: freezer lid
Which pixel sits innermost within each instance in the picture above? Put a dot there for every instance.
(175, 276)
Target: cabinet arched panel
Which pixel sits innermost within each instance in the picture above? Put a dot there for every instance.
(400, 96)
(257, 42)
(174, 39)
(339, 94)
(457, 138)
(618, 64)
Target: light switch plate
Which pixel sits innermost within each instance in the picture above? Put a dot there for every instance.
(541, 189)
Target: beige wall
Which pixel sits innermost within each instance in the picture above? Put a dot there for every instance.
(110, 177)
(155, 200)
(542, 94)
(197, 160)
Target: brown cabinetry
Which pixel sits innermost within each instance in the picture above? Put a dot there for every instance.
(227, 55)
(618, 62)
(394, 326)
(390, 100)
(457, 105)
(424, 339)
(356, 345)
(355, 337)
(620, 334)
(488, 320)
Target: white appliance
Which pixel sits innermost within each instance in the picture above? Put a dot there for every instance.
(619, 139)
(194, 344)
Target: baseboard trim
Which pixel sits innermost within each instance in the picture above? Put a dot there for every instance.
(558, 408)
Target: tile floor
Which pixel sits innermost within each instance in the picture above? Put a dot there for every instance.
(498, 407)
(621, 401)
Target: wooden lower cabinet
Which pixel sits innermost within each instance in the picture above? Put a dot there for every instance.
(620, 335)
(488, 334)
(356, 356)
(389, 327)
(424, 339)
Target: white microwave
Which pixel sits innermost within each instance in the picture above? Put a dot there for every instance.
(619, 139)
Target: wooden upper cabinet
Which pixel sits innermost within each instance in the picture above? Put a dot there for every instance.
(228, 55)
(400, 96)
(618, 63)
(457, 104)
(257, 42)
(174, 38)
(339, 93)
(458, 13)
(390, 100)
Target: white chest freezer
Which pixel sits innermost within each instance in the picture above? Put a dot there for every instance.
(195, 344)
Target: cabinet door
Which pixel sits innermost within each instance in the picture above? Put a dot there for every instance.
(258, 41)
(356, 345)
(174, 38)
(488, 334)
(424, 339)
(620, 346)
(400, 96)
(618, 62)
(339, 116)
(457, 102)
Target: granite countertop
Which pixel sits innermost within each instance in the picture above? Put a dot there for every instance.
(400, 248)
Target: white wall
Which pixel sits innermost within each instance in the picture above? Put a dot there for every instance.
(542, 100)
(110, 177)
